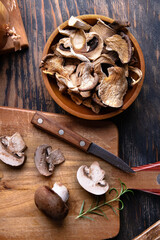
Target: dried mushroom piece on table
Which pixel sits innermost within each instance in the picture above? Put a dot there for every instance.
(12, 149)
(92, 64)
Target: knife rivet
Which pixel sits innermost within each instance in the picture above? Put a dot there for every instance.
(40, 120)
(158, 178)
(61, 132)
(82, 143)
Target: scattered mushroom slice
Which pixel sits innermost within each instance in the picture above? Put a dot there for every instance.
(113, 88)
(102, 29)
(78, 23)
(92, 179)
(87, 80)
(51, 203)
(138, 72)
(11, 149)
(118, 44)
(45, 159)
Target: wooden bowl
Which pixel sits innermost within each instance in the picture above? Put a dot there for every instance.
(81, 111)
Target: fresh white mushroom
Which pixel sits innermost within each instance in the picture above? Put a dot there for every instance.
(92, 179)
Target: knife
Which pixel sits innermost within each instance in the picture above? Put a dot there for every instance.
(53, 127)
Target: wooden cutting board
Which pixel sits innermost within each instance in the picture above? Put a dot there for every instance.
(17, 23)
(20, 218)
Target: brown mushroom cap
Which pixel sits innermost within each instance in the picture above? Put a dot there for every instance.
(92, 179)
(50, 203)
(45, 159)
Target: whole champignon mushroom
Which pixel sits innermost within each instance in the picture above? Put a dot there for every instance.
(46, 159)
(52, 202)
(11, 149)
(92, 179)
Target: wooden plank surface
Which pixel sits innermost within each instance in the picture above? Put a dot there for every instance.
(15, 21)
(17, 185)
(22, 86)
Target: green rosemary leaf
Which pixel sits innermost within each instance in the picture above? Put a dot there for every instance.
(82, 208)
(103, 213)
(94, 212)
(114, 189)
(112, 208)
(122, 204)
(88, 218)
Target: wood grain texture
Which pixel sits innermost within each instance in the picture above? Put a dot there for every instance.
(22, 86)
(18, 185)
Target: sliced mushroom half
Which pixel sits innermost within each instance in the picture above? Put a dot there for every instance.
(11, 149)
(92, 179)
(46, 159)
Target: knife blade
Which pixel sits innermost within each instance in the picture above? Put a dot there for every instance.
(55, 128)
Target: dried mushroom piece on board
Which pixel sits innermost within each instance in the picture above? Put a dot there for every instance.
(93, 64)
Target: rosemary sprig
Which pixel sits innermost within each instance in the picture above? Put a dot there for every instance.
(96, 209)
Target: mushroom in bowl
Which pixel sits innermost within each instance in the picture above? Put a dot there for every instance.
(93, 67)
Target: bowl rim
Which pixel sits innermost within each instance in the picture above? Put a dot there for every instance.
(84, 115)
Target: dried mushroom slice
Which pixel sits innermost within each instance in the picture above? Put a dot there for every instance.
(91, 104)
(75, 97)
(119, 26)
(113, 88)
(138, 72)
(78, 41)
(51, 64)
(67, 82)
(95, 45)
(88, 79)
(118, 44)
(78, 23)
(11, 149)
(66, 32)
(102, 29)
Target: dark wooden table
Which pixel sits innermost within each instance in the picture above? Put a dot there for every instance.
(21, 86)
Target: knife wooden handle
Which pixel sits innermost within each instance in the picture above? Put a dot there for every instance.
(150, 167)
(53, 127)
(153, 232)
